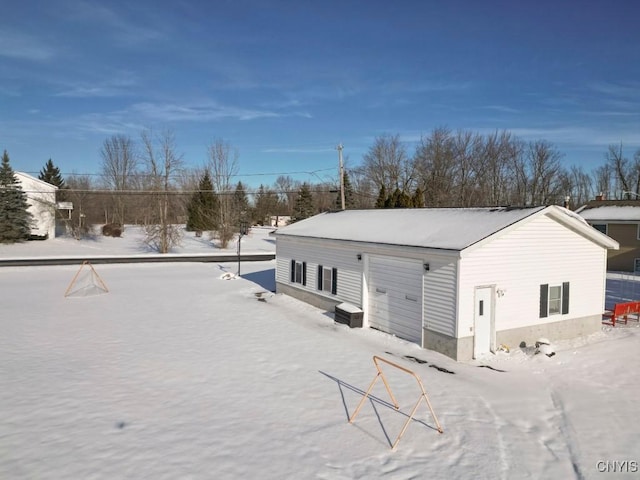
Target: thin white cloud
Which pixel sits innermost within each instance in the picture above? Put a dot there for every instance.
(423, 87)
(625, 89)
(118, 85)
(610, 113)
(501, 108)
(105, 124)
(123, 31)
(165, 112)
(86, 91)
(577, 136)
(24, 47)
(318, 149)
(9, 91)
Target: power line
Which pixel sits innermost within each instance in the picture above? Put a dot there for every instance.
(177, 175)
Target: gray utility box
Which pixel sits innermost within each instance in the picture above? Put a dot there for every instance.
(349, 315)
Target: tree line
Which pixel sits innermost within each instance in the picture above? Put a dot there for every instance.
(145, 182)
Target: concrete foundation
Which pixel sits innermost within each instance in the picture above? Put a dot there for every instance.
(461, 349)
(563, 330)
(456, 348)
(316, 300)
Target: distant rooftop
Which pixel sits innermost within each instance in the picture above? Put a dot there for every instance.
(611, 210)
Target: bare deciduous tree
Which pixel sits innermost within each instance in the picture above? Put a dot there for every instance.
(223, 167)
(626, 173)
(435, 163)
(493, 168)
(119, 168)
(544, 173)
(580, 187)
(162, 163)
(287, 189)
(387, 164)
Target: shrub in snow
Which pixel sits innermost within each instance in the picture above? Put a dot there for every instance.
(112, 230)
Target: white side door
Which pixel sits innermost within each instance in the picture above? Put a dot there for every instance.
(483, 321)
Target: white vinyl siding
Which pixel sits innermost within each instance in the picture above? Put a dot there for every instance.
(537, 252)
(41, 198)
(316, 253)
(440, 296)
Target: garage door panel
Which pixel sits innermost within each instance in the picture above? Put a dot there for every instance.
(395, 296)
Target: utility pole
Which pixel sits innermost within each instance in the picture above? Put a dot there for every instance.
(339, 148)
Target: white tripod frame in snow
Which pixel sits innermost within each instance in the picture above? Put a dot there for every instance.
(423, 395)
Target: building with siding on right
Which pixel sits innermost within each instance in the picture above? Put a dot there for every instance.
(620, 220)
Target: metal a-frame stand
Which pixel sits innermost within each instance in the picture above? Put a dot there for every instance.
(423, 396)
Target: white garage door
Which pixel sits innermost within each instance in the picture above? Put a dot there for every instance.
(395, 297)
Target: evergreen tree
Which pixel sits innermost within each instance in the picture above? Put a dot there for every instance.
(303, 207)
(400, 199)
(240, 204)
(15, 219)
(349, 196)
(202, 211)
(51, 174)
(266, 205)
(418, 198)
(382, 198)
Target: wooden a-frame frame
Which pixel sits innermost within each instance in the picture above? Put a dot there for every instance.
(94, 273)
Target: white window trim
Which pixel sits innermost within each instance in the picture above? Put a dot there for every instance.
(297, 277)
(298, 273)
(558, 300)
(327, 279)
(546, 302)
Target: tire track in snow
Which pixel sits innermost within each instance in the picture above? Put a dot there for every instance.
(566, 431)
(498, 424)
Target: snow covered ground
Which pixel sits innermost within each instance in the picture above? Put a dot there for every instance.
(132, 243)
(177, 373)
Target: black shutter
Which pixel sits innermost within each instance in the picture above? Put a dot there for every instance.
(334, 281)
(544, 300)
(319, 277)
(293, 271)
(565, 298)
(304, 273)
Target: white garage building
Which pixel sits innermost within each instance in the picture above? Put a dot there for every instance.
(458, 281)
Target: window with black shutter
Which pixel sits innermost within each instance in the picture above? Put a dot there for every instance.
(554, 299)
(328, 279)
(299, 272)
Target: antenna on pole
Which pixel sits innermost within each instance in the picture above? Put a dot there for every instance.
(339, 148)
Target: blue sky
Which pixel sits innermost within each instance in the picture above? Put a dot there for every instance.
(285, 81)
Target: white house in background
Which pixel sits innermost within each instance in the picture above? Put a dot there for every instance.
(41, 197)
(458, 281)
(279, 220)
